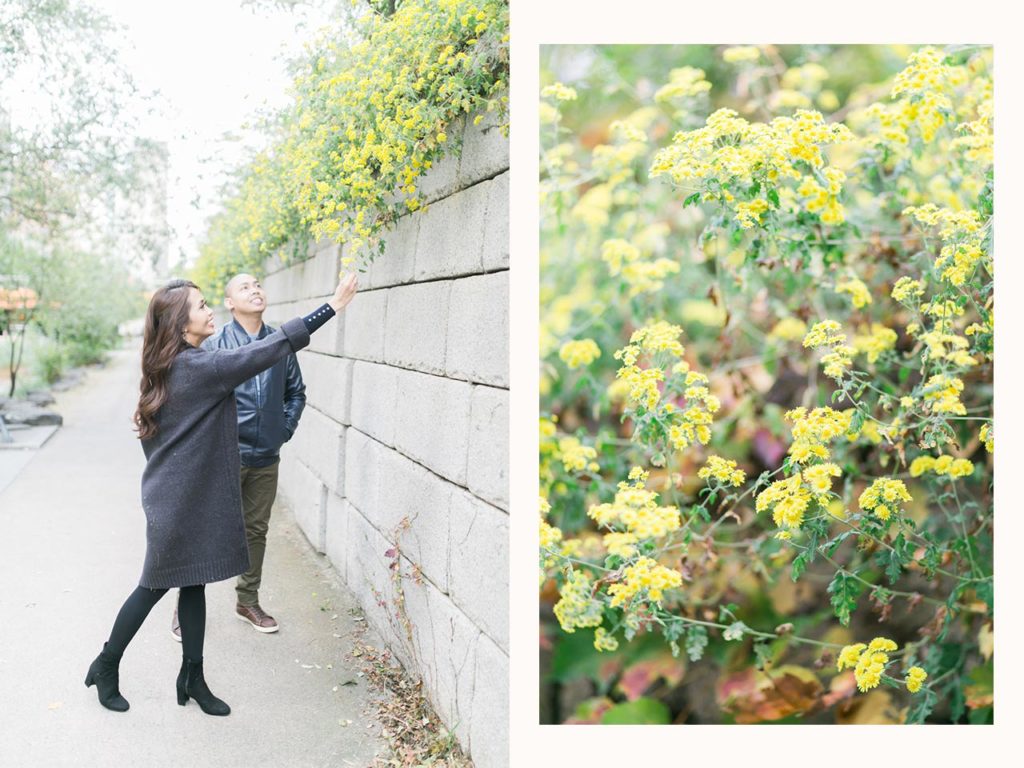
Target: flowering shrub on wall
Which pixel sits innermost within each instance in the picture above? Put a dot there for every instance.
(766, 425)
(371, 117)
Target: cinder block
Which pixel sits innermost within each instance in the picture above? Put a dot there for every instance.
(363, 456)
(318, 275)
(397, 264)
(369, 576)
(328, 383)
(478, 329)
(413, 511)
(320, 442)
(417, 322)
(374, 400)
(487, 463)
(451, 235)
(306, 496)
(432, 422)
(478, 566)
(365, 320)
(496, 230)
(484, 152)
(337, 515)
(445, 644)
(488, 738)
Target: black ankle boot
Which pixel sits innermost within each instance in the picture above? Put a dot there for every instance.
(191, 683)
(103, 673)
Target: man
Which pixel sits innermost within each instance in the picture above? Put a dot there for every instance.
(269, 406)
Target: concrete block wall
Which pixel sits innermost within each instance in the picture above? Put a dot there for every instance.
(398, 471)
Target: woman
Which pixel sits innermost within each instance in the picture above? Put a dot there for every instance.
(186, 421)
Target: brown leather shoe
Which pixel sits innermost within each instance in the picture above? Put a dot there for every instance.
(261, 621)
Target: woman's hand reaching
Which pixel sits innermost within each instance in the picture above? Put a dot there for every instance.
(345, 292)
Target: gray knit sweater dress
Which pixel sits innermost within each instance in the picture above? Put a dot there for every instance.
(191, 487)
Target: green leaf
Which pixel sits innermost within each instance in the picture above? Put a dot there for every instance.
(844, 590)
(985, 592)
(762, 654)
(773, 196)
(735, 631)
(696, 642)
(691, 200)
(799, 566)
(640, 712)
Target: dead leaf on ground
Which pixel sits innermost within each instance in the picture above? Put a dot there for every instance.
(753, 696)
(872, 708)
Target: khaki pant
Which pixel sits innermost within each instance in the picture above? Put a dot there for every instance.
(259, 487)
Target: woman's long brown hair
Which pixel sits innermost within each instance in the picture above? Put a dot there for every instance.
(162, 340)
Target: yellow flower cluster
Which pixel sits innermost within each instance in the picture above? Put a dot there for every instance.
(881, 339)
(723, 470)
(789, 329)
(646, 575)
(813, 430)
(621, 544)
(907, 289)
(914, 679)
(883, 497)
(962, 236)
(807, 77)
(637, 510)
(684, 82)
(941, 342)
(369, 120)
(576, 607)
(579, 353)
(577, 457)
(868, 661)
(614, 163)
(859, 293)
(789, 499)
(642, 275)
(741, 53)
(558, 92)
(733, 151)
(822, 200)
(749, 214)
(604, 641)
(549, 534)
(687, 425)
(827, 334)
(942, 393)
(941, 465)
(987, 436)
(926, 86)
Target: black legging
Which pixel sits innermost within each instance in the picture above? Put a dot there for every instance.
(191, 616)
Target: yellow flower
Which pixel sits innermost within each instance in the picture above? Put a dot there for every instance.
(604, 641)
(868, 661)
(646, 575)
(723, 470)
(576, 354)
(915, 677)
(558, 92)
(576, 607)
(882, 496)
(859, 293)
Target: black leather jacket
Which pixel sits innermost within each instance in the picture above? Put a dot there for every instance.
(269, 404)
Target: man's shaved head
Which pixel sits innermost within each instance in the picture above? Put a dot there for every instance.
(236, 281)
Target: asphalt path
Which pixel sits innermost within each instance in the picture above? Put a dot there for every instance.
(72, 541)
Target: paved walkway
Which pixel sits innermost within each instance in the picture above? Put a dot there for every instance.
(72, 540)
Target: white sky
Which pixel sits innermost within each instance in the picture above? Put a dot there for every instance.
(215, 65)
